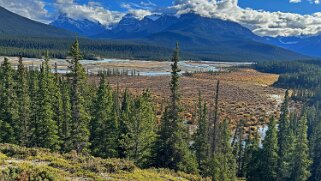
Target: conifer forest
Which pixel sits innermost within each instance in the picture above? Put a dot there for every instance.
(69, 113)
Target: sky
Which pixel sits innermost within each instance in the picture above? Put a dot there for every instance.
(263, 17)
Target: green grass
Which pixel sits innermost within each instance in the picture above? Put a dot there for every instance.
(20, 163)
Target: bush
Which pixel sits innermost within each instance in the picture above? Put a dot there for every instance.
(28, 173)
(17, 151)
(3, 157)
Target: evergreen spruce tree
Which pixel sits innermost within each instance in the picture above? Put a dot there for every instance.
(285, 141)
(270, 153)
(238, 147)
(201, 145)
(23, 123)
(253, 166)
(57, 102)
(125, 130)
(65, 124)
(215, 122)
(223, 166)
(47, 135)
(300, 161)
(80, 117)
(172, 148)
(8, 105)
(144, 130)
(315, 149)
(33, 75)
(103, 125)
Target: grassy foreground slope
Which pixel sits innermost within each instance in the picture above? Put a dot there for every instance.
(20, 163)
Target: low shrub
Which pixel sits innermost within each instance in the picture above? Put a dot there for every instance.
(27, 172)
(19, 152)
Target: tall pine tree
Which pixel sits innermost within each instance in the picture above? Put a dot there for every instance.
(47, 135)
(125, 130)
(65, 124)
(285, 141)
(103, 125)
(34, 104)
(143, 129)
(23, 123)
(201, 138)
(315, 149)
(223, 165)
(8, 104)
(253, 164)
(80, 117)
(270, 153)
(172, 146)
(300, 161)
(57, 102)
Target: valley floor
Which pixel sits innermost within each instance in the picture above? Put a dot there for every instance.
(140, 67)
(243, 92)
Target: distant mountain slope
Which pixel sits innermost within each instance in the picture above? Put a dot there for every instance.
(15, 25)
(307, 45)
(81, 27)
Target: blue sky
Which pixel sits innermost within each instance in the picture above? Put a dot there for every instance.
(263, 17)
(304, 7)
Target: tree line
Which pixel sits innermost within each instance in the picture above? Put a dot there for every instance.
(41, 108)
(304, 77)
(91, 49)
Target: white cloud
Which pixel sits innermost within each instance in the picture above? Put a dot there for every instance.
(140, 13)
(295, 1)
(148, 4)
(92, 11)
(139, 10)
(310, 1)
(32, 9)
(261, 22)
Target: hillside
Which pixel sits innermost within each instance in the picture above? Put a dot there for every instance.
(216, 39)
(306, 45)
(15, 25)
(19, 163)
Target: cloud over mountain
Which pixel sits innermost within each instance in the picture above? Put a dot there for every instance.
(93, 11)
(28, 8)
(263, 23)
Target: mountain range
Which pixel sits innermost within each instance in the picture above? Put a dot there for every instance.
(205, 38)
(82, 28)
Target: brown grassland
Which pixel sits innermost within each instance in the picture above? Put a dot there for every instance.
(244, 93)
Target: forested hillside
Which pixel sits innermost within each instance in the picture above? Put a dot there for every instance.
(302, 76)
(70, 114)
(15, 25)
(92, 49)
